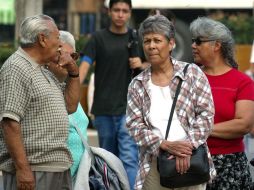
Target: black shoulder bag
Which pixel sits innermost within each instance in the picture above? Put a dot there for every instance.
(198, 172)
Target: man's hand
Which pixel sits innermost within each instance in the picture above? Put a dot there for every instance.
(25, 179)
(135, 63)
(67, 62)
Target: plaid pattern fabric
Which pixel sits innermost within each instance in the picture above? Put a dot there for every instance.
(194, 108)
(29, 95)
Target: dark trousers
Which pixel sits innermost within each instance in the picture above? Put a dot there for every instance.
(44, 180)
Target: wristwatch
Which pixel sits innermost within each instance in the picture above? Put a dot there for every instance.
(73, 75)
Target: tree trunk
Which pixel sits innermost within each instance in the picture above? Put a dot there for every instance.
(25, 8)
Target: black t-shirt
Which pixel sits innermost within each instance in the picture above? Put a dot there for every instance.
(112, 71)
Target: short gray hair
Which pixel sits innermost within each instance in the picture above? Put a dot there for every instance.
(157, 24)
(215, 30)
(67, 37)
(32, 26)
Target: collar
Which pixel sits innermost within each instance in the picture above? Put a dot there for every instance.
(23, 54)
(178, 67)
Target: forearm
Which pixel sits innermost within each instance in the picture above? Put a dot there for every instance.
(83, 70)
(14, 142)
(72, 94)
(232, 129)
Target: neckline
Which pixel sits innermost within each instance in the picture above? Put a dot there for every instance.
(220, 75)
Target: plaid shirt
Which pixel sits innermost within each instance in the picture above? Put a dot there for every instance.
(30, 96)
(194, 108)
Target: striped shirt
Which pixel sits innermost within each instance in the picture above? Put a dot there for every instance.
(194, 108)
(30, 96)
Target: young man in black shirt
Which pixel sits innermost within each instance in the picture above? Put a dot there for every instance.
(113, 71)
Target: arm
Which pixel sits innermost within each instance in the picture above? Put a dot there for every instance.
(83, 70)
(135, 122)
(202, 114)
(13, 141)
(240, 125)
(72, 90)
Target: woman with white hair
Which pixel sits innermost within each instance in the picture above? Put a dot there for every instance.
(78, 118)
(150, 97)
(233, 94)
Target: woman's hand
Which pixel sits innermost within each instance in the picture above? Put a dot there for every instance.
(182, 164)
(177, 148)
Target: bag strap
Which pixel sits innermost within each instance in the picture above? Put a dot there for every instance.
(86, 145)
(174, 101)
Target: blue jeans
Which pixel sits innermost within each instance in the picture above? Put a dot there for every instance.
(114, 137)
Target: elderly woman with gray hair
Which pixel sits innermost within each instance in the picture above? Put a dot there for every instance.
(77, 119)
(233, 94)
(150, 97)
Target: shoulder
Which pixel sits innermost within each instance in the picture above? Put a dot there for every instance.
(193, 70)
(16, 66)
(238, 76)
(100, 33)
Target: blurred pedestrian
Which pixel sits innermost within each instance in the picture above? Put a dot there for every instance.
(150, 98)
(233, 94)
(34, 110)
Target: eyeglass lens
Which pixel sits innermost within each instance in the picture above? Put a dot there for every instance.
(198, 41)
(75, 56)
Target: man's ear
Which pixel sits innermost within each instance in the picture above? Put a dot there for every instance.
(42, 40)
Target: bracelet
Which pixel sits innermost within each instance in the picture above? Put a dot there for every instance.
(73, 75)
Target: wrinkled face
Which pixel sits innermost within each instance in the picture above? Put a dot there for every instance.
(157, 48)
(51, 44)
(203, 50)
(120, 14)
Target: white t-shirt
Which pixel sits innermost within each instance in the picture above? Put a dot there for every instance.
(161, 103)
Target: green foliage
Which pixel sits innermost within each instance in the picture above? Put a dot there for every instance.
(5, 51)
(80, 43)
(240, 24)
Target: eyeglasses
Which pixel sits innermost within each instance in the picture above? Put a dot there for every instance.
(75, 56)
(198, 41)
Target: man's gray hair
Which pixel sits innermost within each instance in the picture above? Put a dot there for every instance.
(207, 28)
(67, 37)
(157, 24)
(32, 26)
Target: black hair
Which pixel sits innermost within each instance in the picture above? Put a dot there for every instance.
(112, 2)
